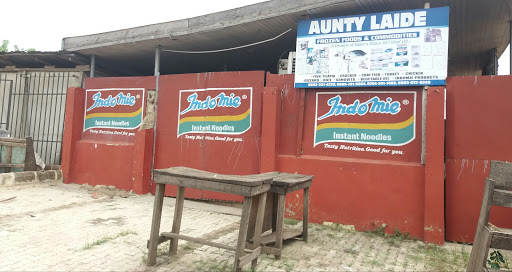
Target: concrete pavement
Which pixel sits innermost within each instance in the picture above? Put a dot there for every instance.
(62, 227)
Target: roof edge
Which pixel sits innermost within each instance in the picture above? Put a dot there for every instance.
(197, 24)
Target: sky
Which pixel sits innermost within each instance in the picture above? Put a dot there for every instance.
(42, 24)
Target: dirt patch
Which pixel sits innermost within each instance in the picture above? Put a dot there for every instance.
(118, 221)
(105, 191)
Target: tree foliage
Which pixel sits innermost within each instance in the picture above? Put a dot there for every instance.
(5, 48)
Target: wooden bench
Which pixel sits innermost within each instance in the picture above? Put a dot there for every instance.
(248, 186)
(282, 184)
(497, 192)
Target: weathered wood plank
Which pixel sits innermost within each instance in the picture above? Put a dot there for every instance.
(483, 219)
(279, 224)
(242, 233)
(258, 228)
(12, 144)
(501, 240)
(176, 223)
(161, 239)
(305, 214)
(201, 241)
(12, 140)
(270, 250)
(260, 189)
(287, 179)
(502, 198)
(501, 173)
(211, 186)
(155, 224)
(12, 165)
(30, 157)
(287, 234)
(279, 189)
(250, 257)
(185, 172)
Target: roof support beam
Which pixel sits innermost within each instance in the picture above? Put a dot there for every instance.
(157, 61)
(93, 65)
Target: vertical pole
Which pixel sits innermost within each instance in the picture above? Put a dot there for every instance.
(510, 48)
(157, 74)
(157, 61)
(93, 65)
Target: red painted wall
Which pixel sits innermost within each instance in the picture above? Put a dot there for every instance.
(362, 190)
(478, 130)
(239, 158)
(347, 189)
(123, 164)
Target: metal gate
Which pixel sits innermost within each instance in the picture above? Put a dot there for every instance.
(33, 104)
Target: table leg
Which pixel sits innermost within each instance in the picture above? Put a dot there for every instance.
(176, 222)
(279, 224)
(155, 224)
(274, 211)
(258, 226)
(242, 233)
(305, 214)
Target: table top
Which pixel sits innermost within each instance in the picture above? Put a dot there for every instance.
(274, 178)
(244, 180)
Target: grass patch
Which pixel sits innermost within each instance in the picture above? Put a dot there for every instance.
(188, 246)
(394, 239)
(162, 249)
(106, 239)
(289, 221)
(441, 259)
(375, 263)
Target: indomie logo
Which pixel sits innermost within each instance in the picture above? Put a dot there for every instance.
(120, 99)
(374, 105)
(221, 100)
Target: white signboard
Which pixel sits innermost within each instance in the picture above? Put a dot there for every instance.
(404, 48)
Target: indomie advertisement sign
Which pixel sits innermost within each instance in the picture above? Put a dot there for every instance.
(215, 111)
(113, 113)
(366, 121)
(402, 48)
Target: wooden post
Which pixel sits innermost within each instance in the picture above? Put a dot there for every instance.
(155, 224)
(30, 157)
(258, 226)
(242, 234)
(279, 224)
(305, 214)
(176, 223)
(483, 219)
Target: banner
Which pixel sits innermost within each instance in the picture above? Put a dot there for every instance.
(371, 118)
(403, 48)
(114, 113)
(215, 111)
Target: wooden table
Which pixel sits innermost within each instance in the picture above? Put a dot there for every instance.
(248, 186)
(282, 184)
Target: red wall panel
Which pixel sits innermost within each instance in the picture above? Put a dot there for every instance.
(100, 162)
(242, 157)
(478, 130)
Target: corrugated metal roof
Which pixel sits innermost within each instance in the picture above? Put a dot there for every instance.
(476, 27)
(41, 59)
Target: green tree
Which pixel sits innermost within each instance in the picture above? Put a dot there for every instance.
(3, 47)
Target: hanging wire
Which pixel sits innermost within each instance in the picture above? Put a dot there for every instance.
(227, 49)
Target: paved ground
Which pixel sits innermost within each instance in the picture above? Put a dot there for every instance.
(58, 227)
